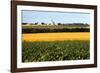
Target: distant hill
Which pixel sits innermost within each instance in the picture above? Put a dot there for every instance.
(59, 24)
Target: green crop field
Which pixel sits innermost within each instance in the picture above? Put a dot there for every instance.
(55, 50)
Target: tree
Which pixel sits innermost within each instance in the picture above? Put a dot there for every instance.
(43, 23)
(36, 23)
(59, 24)
(24, 23)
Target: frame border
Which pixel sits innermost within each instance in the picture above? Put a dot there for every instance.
(46, 4)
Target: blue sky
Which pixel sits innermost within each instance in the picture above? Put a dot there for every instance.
(29, 16)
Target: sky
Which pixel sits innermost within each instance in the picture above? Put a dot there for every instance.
(32, 16)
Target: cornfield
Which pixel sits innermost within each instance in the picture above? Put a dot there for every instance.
(55, 51)
(55, 43)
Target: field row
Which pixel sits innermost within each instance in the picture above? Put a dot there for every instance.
(55, 51)
(56, 36)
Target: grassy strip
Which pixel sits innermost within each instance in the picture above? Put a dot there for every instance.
(55, 51)
(46, 29)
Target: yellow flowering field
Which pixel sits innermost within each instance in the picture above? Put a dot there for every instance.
(56, 36)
